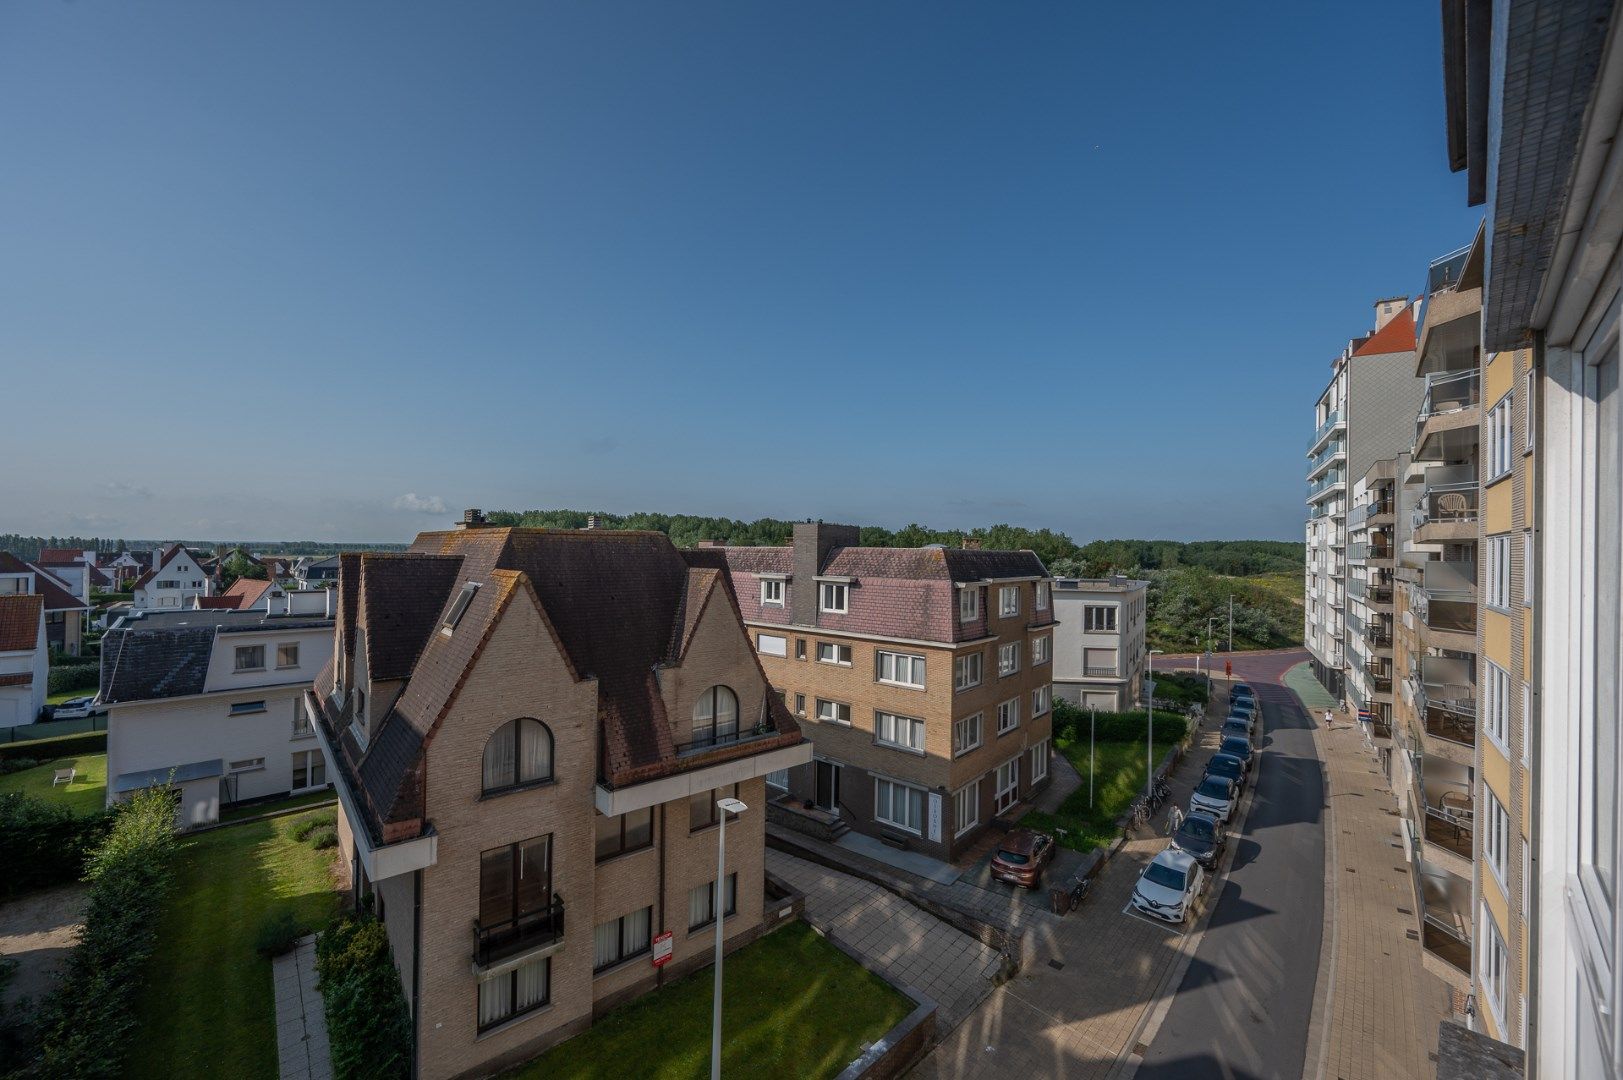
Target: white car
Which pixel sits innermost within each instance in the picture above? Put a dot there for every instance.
(1214, 796)
(73, 708)
(1167, 888)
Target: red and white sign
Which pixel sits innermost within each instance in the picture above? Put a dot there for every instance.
(662, 949)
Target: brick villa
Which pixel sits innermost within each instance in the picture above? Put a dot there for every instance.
(923, 675)
(529, 731)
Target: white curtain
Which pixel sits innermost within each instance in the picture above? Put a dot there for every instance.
(495, 999)
(699, 904)
(500, 758)
(532, 983)
(726, 712)
(535, 751)
(637, 930)
(606, 944)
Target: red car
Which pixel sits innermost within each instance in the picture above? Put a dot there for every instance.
(1020, 858)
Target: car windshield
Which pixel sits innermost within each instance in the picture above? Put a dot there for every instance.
(1197, 828)
(1215, 787)
(1237, 747)
(1013, 858)
(1236, 727)
(1227, 765)
(1162, 874)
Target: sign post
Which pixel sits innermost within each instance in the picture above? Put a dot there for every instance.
(662, 949)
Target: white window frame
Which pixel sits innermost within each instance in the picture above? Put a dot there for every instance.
(969, 604)
(1496, 839)
(966, 808)
(1039, 761)
(841, 653)
(967, 733)
(1008, 601)
(1042, 649)
(1527, 718)
(1008, 659)
(837, 712)
(833, 597)
(1008, 716)
(962, 679)
(882, 806)
(1494, 966)
(1007, 780)
(771, 592)
(311, 758)
(913, 663)
(1496, 705)
(1041, 700)
(1496, 575)
(1094, 614)
(898, 732)
(1529, 383)
(1529, 566)
(1040, 596)
(1499, 437)
(779, 646)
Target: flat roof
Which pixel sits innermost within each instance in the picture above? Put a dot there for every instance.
(224, 620)
(177, 774)
(1110, 584)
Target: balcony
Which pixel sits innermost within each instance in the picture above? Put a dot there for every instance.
(1444, 901)
(1446, 424)
(1366, 511)
(1093, 671)
(1335, 453)
(1333, 422)
(1448, 506)
(1329, 484)
(1444, 605)
(529, 934)
(724, 736)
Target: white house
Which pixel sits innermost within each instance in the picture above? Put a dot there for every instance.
(1099, 644)
(208, 700)
(23, 658)
(176, 576)
(64, 612)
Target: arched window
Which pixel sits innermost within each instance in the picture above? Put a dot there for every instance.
(715, 717)
(519, 753)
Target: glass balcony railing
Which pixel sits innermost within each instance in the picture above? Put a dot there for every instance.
(1450, 497)
(1334, 420)
(1447, 392)
(1333, 479)
(1335, 451)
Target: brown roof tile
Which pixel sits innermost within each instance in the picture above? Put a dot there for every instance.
(20, 615)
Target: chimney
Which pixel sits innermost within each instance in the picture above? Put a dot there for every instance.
(813, 543)
(972, 543)
(472, 519)
(709, 544)
(1388, 309)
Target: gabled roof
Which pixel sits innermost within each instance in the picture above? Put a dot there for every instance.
(59, 557)
(223, 602)
(250, 590)
(400, 600)
(20, 615)
(1397, 336)
(162, 560)
(56, 596)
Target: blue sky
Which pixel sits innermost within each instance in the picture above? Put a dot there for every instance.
(271, 268)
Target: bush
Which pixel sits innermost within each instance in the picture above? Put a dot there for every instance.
(1071, 721)
(11, 765)
(89, 742)
(66, 677)
(367, 1024)
(310, 824)
(88, 1022)
(278, 934)
(44, 844)
(1181, 689)
(323, 837)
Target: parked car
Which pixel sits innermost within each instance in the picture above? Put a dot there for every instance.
(1201, 836)
(1248, 712)
(1169, 886)
(1214, 796)
(1237, 746)
(1241, 688)
(1237, 726)
(73, 708)
(1020, 858)
(1228, 767)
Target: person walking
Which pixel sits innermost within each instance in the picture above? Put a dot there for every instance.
(1327, 718)
(1174, 819)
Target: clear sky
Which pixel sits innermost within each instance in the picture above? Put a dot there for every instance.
(337, 270)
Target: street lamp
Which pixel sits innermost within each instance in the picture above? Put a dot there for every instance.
(727, 806)
(1149, 716)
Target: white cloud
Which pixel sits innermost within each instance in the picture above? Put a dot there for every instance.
(420, 504)
(122, 489)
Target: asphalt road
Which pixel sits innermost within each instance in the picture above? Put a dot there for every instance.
(1243, 1008)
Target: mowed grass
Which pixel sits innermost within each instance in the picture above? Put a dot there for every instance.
(87, 793)
(1118, 780)
(207, 1009)
(795, 1008)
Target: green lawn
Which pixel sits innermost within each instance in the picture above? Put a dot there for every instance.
(1118, 780)
(292, 802)
(87, 793)
(796, 1008)
(57, 699)
(207, 1009)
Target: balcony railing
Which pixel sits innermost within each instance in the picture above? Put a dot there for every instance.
(536, 930)
(725, 736)
(1448, 828)
(1097, 672)
(1450, 391)
(1449, 497)
(1333, 420)
(1332, 479)
(1316, 462)
(1366, 510)
(1447, 725)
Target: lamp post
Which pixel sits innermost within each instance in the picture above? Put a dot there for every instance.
(719, 897)
(1149, 716)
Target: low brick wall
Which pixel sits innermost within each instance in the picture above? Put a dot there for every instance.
(898, 1049)
(786, 818)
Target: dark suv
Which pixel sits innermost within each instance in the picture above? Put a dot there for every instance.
(1201, 836)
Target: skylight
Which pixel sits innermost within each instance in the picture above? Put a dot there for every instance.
(459, 608)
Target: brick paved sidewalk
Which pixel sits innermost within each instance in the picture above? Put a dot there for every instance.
(913, 947)
(1377, 1008)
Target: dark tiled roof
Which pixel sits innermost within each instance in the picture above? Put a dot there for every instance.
(59, 557)
(401, 598)
(226, 602)
(615, 601)
(139, 665)
(56, 597)
(19, 622)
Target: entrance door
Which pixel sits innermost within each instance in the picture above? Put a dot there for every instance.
(828, 786)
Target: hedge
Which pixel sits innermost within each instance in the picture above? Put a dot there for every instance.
(66, 677)
(368, 1026)
(43, 844)
(89, 742)
(88, 1021)
(1072, 721)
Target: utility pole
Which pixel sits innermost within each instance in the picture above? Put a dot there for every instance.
(1231, 622)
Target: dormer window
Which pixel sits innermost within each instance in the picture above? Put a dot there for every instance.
(969, 604)
(833, 596)
(715, 717)
(772, 592)
(459, 608)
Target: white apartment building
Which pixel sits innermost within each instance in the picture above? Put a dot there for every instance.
(1099, 643)
(209, 701)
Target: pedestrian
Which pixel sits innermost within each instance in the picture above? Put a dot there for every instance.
(1174, 819)
(1327, 718)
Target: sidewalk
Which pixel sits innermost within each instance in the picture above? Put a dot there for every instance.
(1376, 1009)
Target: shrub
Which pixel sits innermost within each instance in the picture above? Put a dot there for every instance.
(309, 825)
(367, 1024)
(88, 742)
(88, 1021)
(66, 677)
(11, 765)
(1071, 721)
(1181, 689)
(323, 837)
(278, 934)
(43, 843)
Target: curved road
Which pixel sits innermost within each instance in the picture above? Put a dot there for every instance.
(1244, 1005)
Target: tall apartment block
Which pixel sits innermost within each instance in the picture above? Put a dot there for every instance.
(1534, 96)
(1362, 416)
(922, 675)
(528, 731)
(1377, 526)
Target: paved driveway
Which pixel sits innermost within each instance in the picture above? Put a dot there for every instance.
(911, 946)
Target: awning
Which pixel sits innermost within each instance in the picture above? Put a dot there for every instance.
(176, 774)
